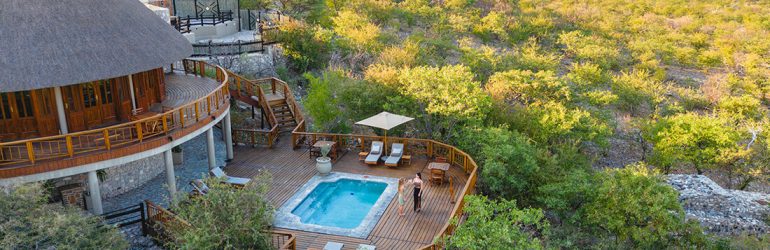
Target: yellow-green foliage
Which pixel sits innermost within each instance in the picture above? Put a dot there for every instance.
(356, 31)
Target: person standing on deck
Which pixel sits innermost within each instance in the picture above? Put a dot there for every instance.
(417, 182)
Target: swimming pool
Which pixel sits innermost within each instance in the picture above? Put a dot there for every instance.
(343, 203)
(340, 203)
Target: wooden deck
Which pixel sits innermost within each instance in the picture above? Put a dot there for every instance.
(290, 169)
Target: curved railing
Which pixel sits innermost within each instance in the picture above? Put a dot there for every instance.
(415, 147)
(20, 157)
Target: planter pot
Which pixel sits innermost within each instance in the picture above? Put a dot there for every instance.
(177, 157)
(323, 165)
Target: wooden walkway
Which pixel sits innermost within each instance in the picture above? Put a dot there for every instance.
(290, 169)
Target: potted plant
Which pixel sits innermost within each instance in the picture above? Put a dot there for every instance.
(177, 155)
(324, 163)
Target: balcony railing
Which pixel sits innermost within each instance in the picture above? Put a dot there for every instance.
(30, 152)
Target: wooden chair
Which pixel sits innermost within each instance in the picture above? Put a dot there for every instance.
(437, 176)
(314, 151)
(440, 159)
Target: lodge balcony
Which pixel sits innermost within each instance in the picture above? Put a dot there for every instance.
(196, 95)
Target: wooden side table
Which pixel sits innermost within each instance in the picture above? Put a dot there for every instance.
(406, 159)
(362, 155)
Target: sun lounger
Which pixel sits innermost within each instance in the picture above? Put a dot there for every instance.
(199, 187)
(236, 181)
(366, 247)
(397, 150)
(333, 246)
(374, 155)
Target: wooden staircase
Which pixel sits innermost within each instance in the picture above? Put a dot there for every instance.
(275, 99)
(284, 116)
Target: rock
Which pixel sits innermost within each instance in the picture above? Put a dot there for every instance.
(721, 211)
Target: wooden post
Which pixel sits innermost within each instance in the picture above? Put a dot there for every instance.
(181, 116)
(208, 105)
(272, 85)
(139, 132)
(238, 85)
(30, 152)
(165, 124)
(70, 150)
(106, 139)
(197, 114)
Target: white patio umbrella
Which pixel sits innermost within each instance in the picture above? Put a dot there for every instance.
(385, 121)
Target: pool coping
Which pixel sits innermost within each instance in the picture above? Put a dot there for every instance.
(285, 219)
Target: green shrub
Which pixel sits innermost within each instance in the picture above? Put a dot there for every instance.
(499, 224)
(29, 222)
(633, 208)
(225, 217)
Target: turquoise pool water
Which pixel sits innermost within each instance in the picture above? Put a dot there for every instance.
(343, 203)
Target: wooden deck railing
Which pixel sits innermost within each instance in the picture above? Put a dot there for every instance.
(160, 221)
(105, 139)
(415, 147)
(260, 88)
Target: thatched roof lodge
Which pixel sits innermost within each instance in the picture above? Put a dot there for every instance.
(88, 85)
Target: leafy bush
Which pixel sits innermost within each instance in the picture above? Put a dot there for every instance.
(305, 46)
(524, 86)
(29, 222)
(633, 208)
(356, 32)
(226, 217)
(499, 224)
(692, 140)
(321, 102)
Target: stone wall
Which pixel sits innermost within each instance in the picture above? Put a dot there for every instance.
(126, 177)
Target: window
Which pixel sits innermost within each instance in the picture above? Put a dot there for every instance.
(89, 95)
(105, 88)
(24, 103)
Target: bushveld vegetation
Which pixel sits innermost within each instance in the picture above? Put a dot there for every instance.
(539, 92)
(28, 221)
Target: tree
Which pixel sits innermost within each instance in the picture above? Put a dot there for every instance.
(255, 4)
(510, 166)
(633, 208)
(321, 102)
(439, 98)
(226, 217)
(499, 224)
(526, 87)
(701, 142)
(29, 222)
(305, 46)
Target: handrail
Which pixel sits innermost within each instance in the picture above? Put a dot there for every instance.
(244, 86)
(431, 148)
(105, 139)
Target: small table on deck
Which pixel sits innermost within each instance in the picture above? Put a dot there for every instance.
(332, 145)
(443, 166)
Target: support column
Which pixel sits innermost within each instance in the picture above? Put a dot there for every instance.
(60, 111)
(170, 177)
(210, 146)
(131, 92)
(228, 130)
(96, 194)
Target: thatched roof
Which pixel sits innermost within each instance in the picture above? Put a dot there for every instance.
(57, 43)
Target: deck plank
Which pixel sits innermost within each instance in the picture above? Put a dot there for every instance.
(291, 169)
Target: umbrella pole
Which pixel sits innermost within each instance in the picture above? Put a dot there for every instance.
(385, 141)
